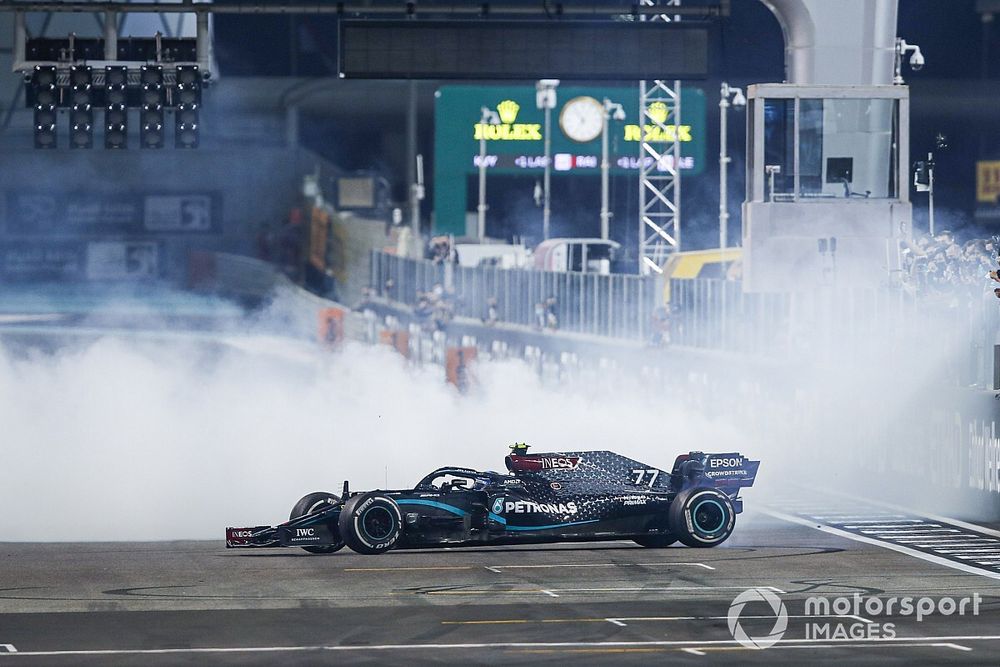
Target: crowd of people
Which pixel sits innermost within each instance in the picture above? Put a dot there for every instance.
(937, 264)
(435, 308)
(440, 250)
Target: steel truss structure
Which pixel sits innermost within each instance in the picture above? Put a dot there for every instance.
(659, 164)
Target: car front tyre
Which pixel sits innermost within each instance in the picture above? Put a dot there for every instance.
(311, 504)
(371, 523)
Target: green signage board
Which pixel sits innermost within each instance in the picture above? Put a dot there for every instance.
(515, 141)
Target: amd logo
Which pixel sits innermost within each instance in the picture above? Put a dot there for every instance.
(305, 532)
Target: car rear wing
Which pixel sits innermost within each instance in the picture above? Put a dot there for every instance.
(731, 471)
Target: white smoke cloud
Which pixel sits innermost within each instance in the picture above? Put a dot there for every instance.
(175, 437)
(125, 440)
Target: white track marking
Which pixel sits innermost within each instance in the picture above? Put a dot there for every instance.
(785, 645)
(957, 647)
(862, 525)
(8, 648)
(841, 518)
(877, 521)
(693, 651)
(930, 558)
(661, 589)
(620, 620)
(926, 515)
(498, 568)
(944, 545)
(913, 532)
(555, 591)
(949, 641)
(953, 540)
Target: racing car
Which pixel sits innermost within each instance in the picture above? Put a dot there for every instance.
(551, 497)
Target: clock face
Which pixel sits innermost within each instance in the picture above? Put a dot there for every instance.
(581, 119)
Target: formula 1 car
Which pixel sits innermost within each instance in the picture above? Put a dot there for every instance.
(553, 497)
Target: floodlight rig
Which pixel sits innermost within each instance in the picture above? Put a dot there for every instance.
(88, 74)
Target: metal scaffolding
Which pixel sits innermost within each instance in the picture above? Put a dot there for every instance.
(659, 164)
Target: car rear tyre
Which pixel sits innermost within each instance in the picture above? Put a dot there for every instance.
(371, 523)
(702, 517)
(655, 541)
(312, 504)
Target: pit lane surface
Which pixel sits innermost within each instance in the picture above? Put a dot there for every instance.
(197, 603)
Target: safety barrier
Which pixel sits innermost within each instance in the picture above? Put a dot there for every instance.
(617, 305)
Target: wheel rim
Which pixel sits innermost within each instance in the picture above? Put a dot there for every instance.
(708, 516)
(378, 523)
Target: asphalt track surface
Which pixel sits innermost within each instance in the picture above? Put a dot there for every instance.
(613, 602)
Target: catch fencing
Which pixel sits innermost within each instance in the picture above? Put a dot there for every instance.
(824, 325)
(617, 306)
(957, 329)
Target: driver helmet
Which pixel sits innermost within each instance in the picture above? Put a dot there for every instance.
(519, 448)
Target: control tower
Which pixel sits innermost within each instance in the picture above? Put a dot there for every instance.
(827, 201)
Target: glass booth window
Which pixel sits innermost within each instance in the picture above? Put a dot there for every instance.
(779, 149)
(847, 148)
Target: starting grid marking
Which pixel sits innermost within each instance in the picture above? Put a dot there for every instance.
(937, 539)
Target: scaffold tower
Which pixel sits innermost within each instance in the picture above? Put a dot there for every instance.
(659, 164)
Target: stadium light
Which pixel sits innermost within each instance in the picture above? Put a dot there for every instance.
(188, 99)
(152, 97)
(46, 97)
(116, 107)
(81, 117)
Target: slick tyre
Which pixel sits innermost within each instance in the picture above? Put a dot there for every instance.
(702, 517)
(371, 523)
(311, 504)
(655, 541)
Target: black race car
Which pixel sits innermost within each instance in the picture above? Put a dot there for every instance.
(555, 497)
